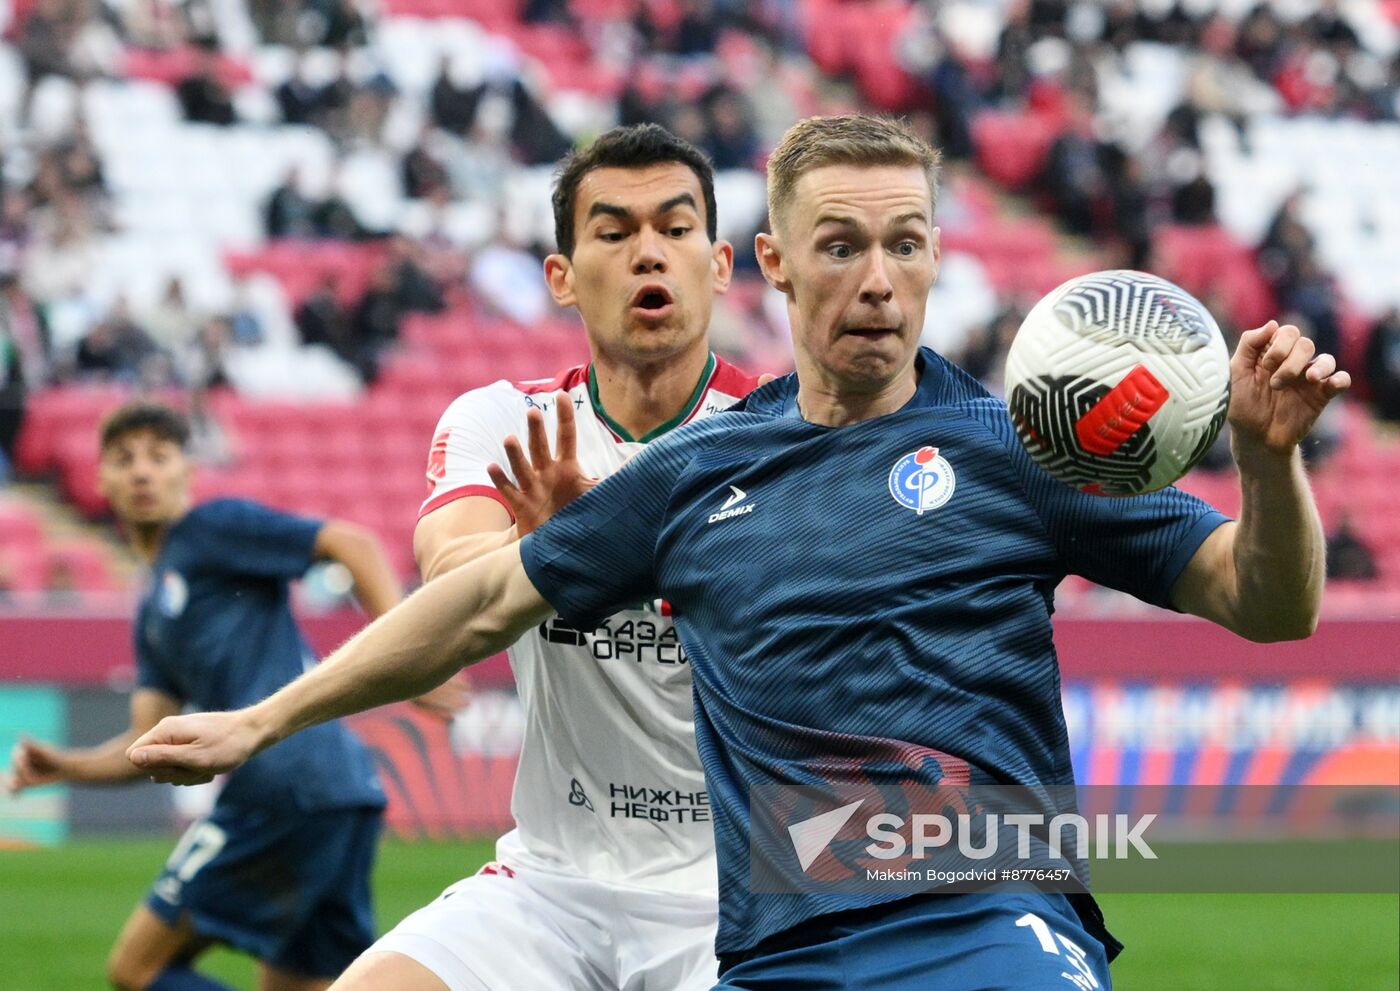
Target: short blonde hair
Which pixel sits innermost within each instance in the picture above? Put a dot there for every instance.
(848, 139)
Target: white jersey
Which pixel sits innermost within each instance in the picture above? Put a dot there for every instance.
(609, 784)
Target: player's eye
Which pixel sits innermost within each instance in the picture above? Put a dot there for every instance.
(679, 231)
(839, 250)
(907, 248)
(612, 237)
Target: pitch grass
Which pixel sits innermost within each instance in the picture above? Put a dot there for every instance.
(60, 909)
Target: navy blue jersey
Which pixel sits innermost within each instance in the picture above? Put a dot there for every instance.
(216, 630)
(875, 595)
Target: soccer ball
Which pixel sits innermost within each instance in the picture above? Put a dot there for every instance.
(1118, 382)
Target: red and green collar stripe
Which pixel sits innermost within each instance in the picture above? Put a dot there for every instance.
(691, 405)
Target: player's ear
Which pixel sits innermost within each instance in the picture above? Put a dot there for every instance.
(936, 244)
(559, 276)
(722, 265)
(770, 262)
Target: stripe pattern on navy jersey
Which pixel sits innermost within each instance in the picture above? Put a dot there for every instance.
(833, 633)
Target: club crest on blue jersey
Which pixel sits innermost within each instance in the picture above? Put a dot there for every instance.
(922, 480)
(174, 594)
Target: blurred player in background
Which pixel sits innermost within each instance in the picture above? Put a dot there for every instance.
(832, 629)
(281, 868)
(608, 879)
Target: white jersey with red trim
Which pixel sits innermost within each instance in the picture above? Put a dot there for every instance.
(609, 784)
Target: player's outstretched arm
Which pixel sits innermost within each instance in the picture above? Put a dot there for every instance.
(1262, 577)
(33, 764)
(463, 617)
(377, 589)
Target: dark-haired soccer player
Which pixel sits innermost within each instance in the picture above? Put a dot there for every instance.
(839, 621)
(608, 879)
(281, 868)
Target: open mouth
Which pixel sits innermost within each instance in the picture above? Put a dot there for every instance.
(652, 299)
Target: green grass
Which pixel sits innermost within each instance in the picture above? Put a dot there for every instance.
(61, 908)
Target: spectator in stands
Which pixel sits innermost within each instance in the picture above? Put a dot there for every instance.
(1348, 557)
(733, 143)
(510, 280)
(171, 323)
(422, 172)
(14, 387)
(320, 319)
(1193, 201)
(289, 211)
(1073, 176)
(450, 106)
(926, 55)
(209, 441)
(415, 291)
(43, 40)
(15, 205)
(335, 220)
(156, 25)
(203, 96)
(115, 349)
(300, 100)
(1382, 366)
(204, 358)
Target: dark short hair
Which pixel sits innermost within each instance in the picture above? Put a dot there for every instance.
(141, 414)
(634, 147)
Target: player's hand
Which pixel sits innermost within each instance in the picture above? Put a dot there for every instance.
(33, 764)
(447, 699)
(545, 483)
(1279, 386)
(192, 749)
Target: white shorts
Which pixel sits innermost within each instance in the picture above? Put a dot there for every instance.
(504, 930)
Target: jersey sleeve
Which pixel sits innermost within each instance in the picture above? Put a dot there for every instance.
(469, 437)
(246, 538)
(598, 554)
(1139, 545)
(149, 673)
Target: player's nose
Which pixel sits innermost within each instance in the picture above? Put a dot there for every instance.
(650, 255)
(875, 286)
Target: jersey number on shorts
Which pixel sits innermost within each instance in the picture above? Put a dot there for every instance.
(200, 844)
(1084, 979)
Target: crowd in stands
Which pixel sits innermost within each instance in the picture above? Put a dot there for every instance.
(394, 158)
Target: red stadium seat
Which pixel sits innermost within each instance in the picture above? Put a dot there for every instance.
(20, 526)
(1011, 148)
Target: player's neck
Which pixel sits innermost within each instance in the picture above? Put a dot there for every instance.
(827, 404)
(641, 399)
(146, 539)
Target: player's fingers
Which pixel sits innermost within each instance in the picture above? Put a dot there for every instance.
(1284, 339)
(765, 378)
(1322, 366)
(1336, 384)
(1295, 362)
(519, 465)
(538, 439)
(1253, 342)
(503, 483)
(567, 440)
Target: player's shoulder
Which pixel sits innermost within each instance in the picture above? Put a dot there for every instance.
(230, 515)
(506, 399)
(729, 381)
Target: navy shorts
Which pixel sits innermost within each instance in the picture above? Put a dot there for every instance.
(974, 942)
(291, 889)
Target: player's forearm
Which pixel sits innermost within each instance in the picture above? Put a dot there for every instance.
(454, 553)
(376, 588)
(1279, 549)
(462, 618)
(105, 763)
